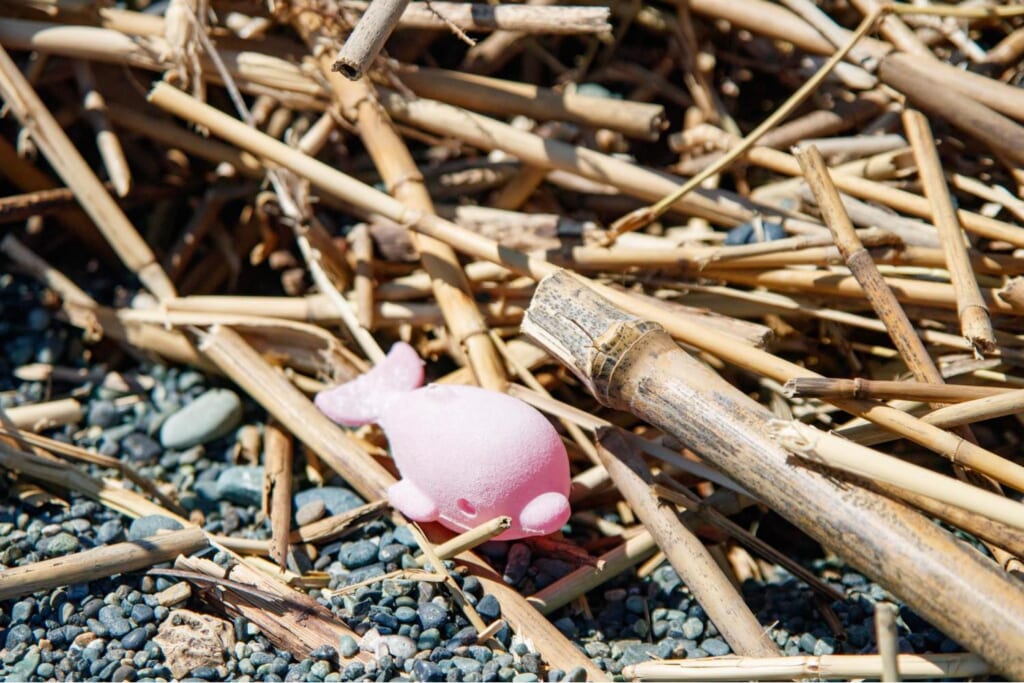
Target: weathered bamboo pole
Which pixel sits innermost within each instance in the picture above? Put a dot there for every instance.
(99, 563)
(633, 365)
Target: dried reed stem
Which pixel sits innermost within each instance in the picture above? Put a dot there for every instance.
(886, 636)
(368, 37)
(36, 417)
(277, 489)
(99, 563)
(468, 540)
(72, 168)
(975, 323)
(886, 390)
(959, 666)
(834, 451)
(478, 17)
(502, 97)
(685, 552)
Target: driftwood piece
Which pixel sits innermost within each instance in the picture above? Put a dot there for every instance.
(634, 365)
(291, 620)
(99, 563)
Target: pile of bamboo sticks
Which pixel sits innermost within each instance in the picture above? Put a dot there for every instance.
(794, 240)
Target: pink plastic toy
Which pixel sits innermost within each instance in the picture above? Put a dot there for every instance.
(466, 454)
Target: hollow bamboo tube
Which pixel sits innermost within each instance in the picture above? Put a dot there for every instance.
(368, 37)
(295, 412)
(886, 637)
(99, 563)
(685, 552)
(38, 416)
(502, 97)
(702, 337)
(956, 665)
(632, 365)
(21, 97)
(872, 389)
(975, 324)
(107, 142)
(834, 451)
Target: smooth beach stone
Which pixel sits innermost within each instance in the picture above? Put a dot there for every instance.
(211, 415)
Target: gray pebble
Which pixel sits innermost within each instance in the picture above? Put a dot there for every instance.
(102, 414)
(135, 639)
(347, 646)
(62, 544)
(147, 526)
(337, 499)
(22, 611)
(310, 512)
(140, 448)
(489, 608)
(18, 634)
(400, 647)
(692, 628)
(141, 613)
(716, 647)
(211, 415)
(110, 531)
(242, 484)
(358, 554)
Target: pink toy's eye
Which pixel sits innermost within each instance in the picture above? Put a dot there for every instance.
(466, 507)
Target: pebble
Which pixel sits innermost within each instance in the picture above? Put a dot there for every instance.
(62, 544)
(241, 484)
(211, 415)
(110, 531)
(488, 607)
(310, 512)
(140, 448)
(102, 414)
(135, 639)
(400, 647)
(347, 646)
(337, 499)
(692, 628)
(716, 647)
(147, 526)
(432, 615)
(425, 670)
(358, 554)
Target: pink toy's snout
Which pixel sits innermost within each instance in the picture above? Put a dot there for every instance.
(545, 514)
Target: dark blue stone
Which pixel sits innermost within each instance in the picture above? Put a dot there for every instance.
(489, 608)
(432, 615)
(135, 639)
(337, 499)
(358, 554)
(424, 670)
(141, 613)
(140, 448)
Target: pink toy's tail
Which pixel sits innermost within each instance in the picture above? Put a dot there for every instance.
(362, 400)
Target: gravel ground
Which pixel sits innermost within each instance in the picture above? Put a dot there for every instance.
(183, 431)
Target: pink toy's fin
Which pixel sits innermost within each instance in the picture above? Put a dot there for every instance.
(412, 502)
(545, 514)
(363, 400)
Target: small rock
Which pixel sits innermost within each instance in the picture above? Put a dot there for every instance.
(358, 554)
(140, 448)
(123, 673)
(211, 415)
(337, 499)
(325, 652)
(347, 646)
(693, 628)
(110, 531)
(425, 670)
(716, 647)
(147, 526)
(400, 647)
(18, 634)
(102, 414)
(489, 608)
(62, 544)
(135, 639)
(310, 512)
(242, 484)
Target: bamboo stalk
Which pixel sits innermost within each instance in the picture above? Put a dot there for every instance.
(477, 17)
(885, 390)
(468, 540)
(99, 563)
(277, 489)
(615, 354)
(975, 324)
(498, 96)
(36, 417)
(957, 665)
(72, 168)
(368, 37)
(834, 451)
(685, 552)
